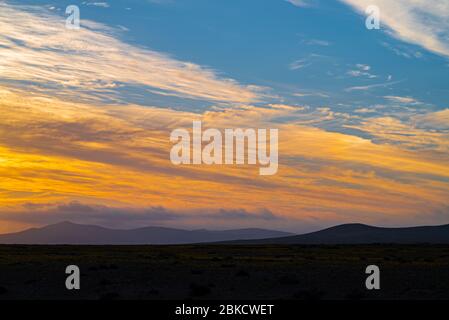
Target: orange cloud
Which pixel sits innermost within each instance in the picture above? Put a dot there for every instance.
(53, 151)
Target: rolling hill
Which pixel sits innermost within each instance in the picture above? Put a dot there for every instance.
(71, 233)
(364, 234)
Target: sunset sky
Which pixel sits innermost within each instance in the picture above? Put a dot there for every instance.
(86, 115)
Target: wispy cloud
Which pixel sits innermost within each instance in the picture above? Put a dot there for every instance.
(299, 64)
(299, 3)
(361, 70)
(97, 4)
(403, 51)
(410, 133)
(438, 120)
(421, 22)
(317, 42)
(52, 151)
(405, 100)
(131, 217)
(40, 50)
(307, 61)
(60, 156)
(310, 94)
(371, 86)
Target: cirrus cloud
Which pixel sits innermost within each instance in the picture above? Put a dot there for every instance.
(421, 22)
(40, 53)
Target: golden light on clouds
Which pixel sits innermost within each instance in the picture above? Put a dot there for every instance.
(57, 152)
(73, 147)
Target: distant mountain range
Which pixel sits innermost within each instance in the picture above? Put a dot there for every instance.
(71, 233)
(364, 234)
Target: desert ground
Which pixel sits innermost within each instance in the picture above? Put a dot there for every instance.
(225, 272)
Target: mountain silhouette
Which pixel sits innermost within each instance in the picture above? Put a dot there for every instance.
(71, 233)
(364, 234)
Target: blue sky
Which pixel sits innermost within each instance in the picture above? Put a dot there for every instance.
(308, 55)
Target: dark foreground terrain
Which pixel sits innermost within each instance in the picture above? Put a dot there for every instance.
(225, 272)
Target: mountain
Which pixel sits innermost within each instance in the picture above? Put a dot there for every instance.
(71, 233)
(364, 234)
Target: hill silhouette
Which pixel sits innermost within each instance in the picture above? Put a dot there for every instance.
(364, 234)
(72, 233)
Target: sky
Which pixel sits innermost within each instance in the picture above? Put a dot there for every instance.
(86, 115)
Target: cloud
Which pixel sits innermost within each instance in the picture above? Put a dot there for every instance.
(39, 53)
(131, 217)
(371, 86)
(365, 110)
(317, 42)
(97, 4)
(363, 67)
(307, 61)
(403, 51)
(362, 70)
(419, 132)
(405, 100)
(299, 3)
(299, 64)
(308, 94)
(433, 121)
(59, 152)
(108, 162)
(421, 22)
